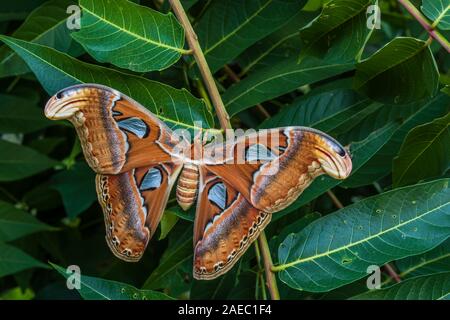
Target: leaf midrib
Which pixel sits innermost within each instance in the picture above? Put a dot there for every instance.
(158, 44)
(254, 62)
(405, 58)
(283, 267)
(341, 22)
(422, 264)
(418, 155)
(34, 39)
(232, 33)
(285, 74)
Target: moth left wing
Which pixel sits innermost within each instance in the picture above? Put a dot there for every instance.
(117, 134)
(133, 203)
(225, 226)
(271, 168)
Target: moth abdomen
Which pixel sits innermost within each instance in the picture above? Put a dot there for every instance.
(187, 186)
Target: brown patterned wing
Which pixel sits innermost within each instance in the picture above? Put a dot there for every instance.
(271, 168)
(117, 134)
(133, 203)
(225, 226)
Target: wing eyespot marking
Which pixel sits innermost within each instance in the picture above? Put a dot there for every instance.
(135, 126)
(152, 180)
(217, 195)
(259, 152)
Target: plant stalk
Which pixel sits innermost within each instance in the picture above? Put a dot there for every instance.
(335, 199)
(194, 45)
(268, 265)
(224, 120)
(394, 275)
(435, 34)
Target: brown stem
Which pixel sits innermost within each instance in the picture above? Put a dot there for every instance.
(425, 24)
(335, 199)
(390, 270)
(192, 39)
(268, 264)
(224, 119)
(235, 78)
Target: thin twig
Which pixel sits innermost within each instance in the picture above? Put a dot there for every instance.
(435, 34)
(394, 275)
(389, 269)
(335, 199)
(259, 275)
(194, 45)
(235, 78)
(268, 265)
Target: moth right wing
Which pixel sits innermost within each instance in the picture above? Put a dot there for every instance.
(117, 134)
(271, 168)
(225, 226)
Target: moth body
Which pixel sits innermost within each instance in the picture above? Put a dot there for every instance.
(187, 187)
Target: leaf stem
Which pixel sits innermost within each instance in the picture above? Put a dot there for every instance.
(268, 265)
(392, 273)
(13, 84)
(335, 199)
(430, 28)
(194, 45)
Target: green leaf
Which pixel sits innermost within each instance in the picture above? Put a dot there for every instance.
(313, 5)
(55, 71)
(17, 10)
(100, 289)
(177, 254)
(17, 294)
(338, 248)
(437, 11)
(168, 221)
(361, 153)
(425, 153)
(46, 25)
(15, 223)
(433, 261)
(18, 162)
(381, 164)
(19, 115)
(324, 111)
(77, 188)
(223, 38)
(432, 287)
(46, 145)
(278, 79)
(339, 33)
(129, 35)
(294, 227)
(13, 260)
(401, 72)
(279, 45)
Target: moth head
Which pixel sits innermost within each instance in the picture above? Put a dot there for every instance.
(68, 101)
(334, 159)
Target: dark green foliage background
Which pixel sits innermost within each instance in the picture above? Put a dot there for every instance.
(382, 92)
